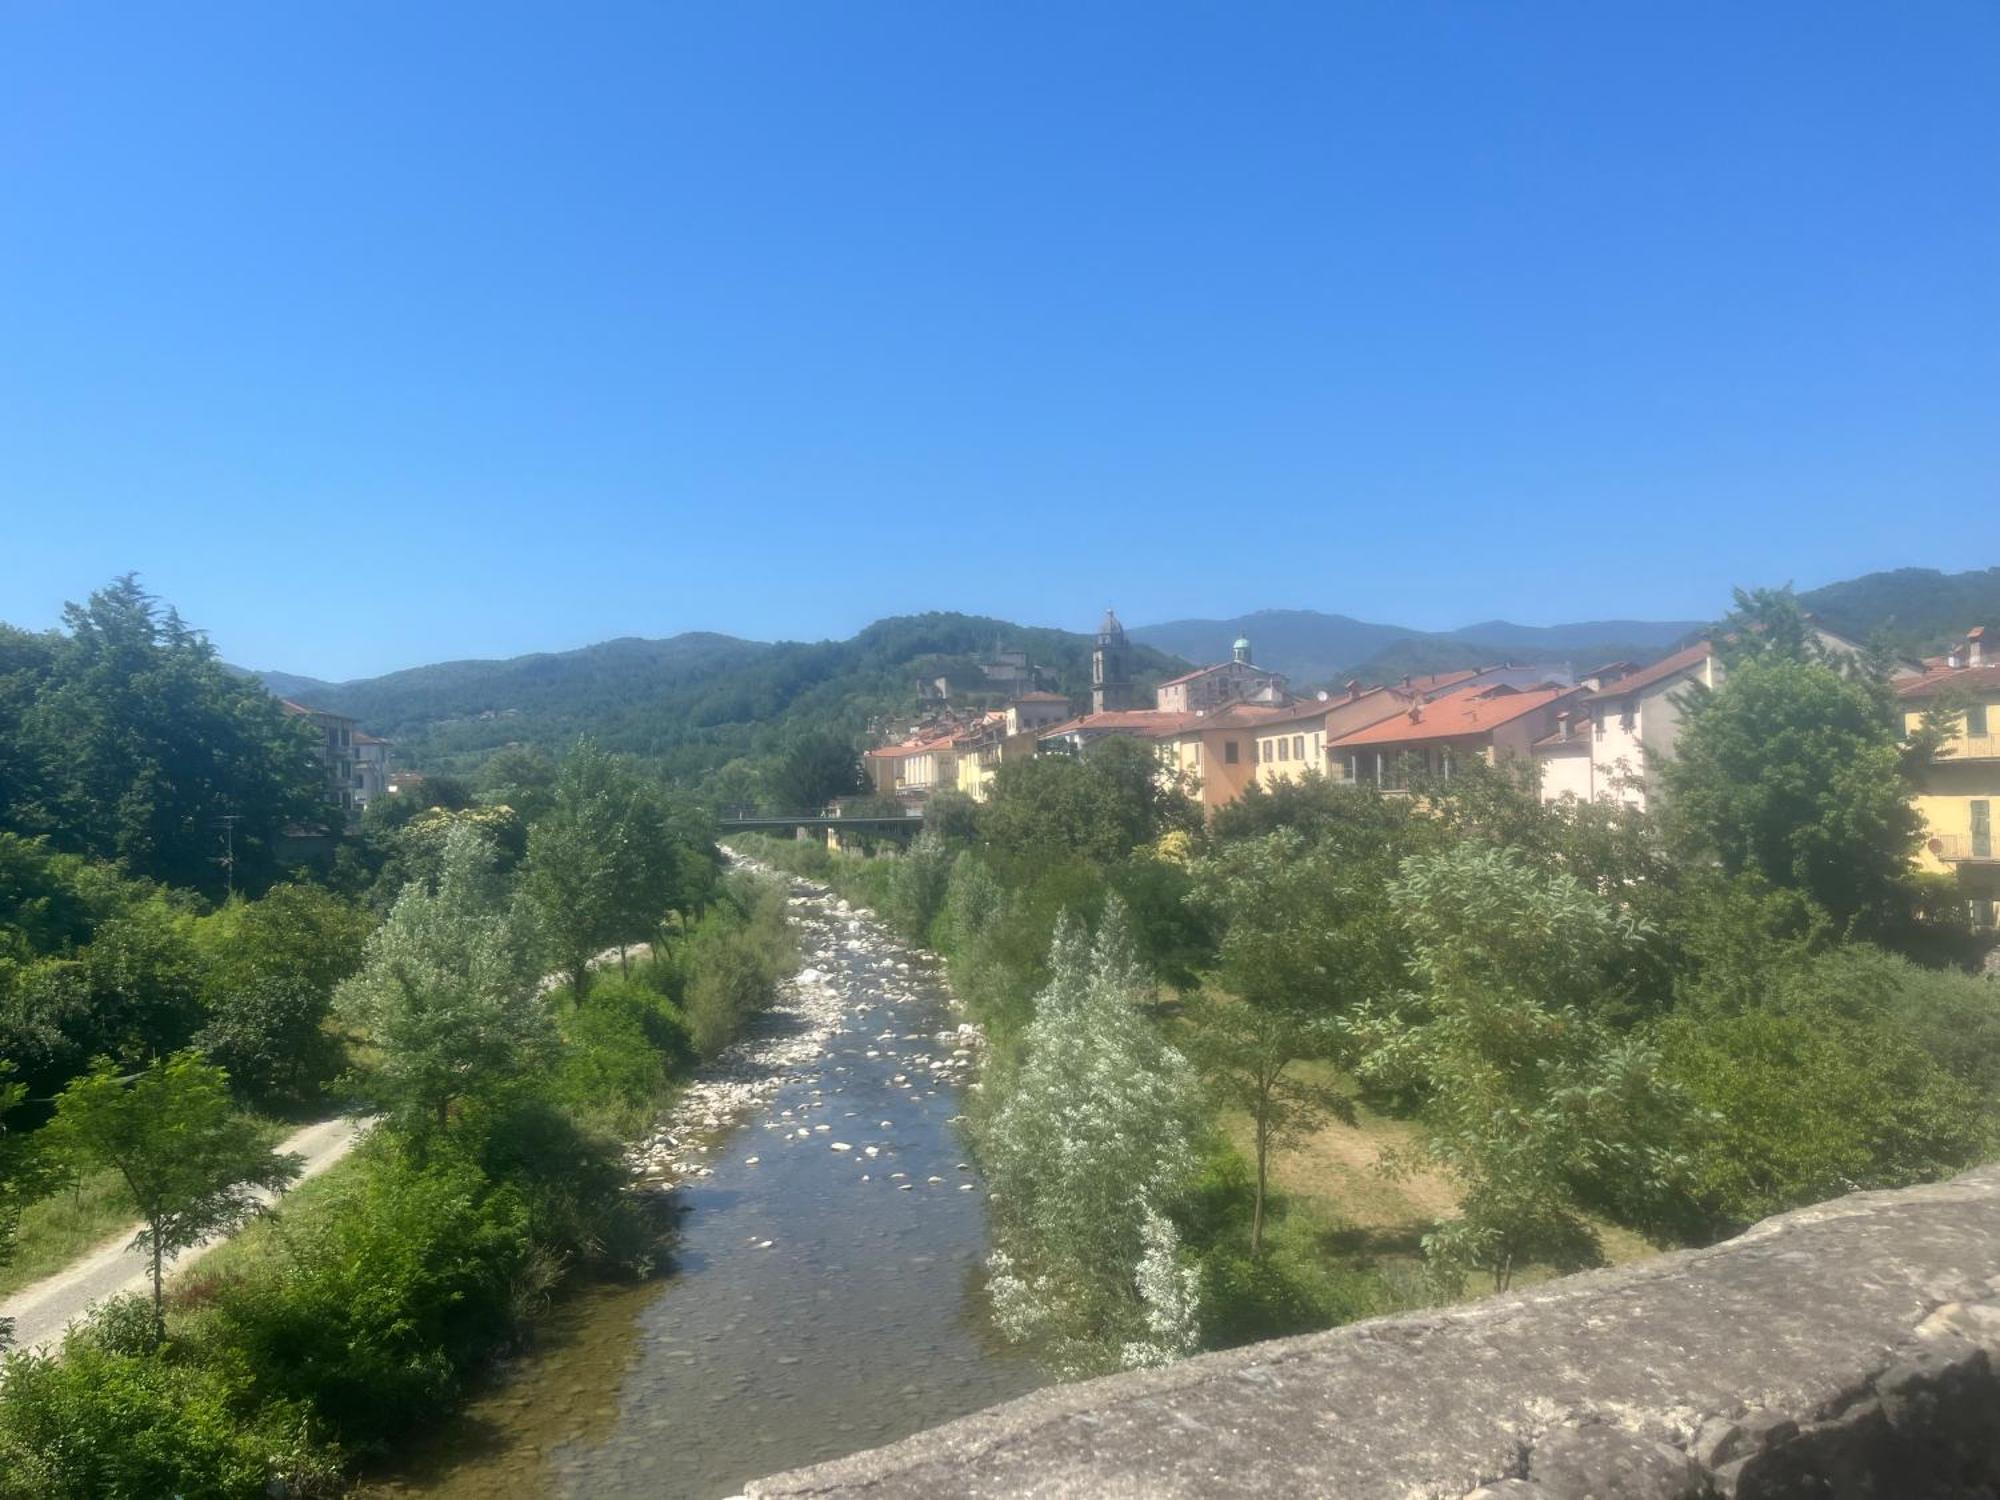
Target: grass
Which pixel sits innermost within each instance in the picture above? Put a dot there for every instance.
(1329, 1186)
(65, 1226)
(190, 1288)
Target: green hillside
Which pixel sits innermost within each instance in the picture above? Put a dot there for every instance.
(1920, 609)
(692, 702)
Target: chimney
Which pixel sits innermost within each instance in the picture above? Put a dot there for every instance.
(1975, 646)
(1416, 713)
(1562, 723)
(1353, 689)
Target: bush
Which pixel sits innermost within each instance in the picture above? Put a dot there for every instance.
(1828, 1084)
(104, 1423)
(732, 961)
(620, 1049)
(373, 1304)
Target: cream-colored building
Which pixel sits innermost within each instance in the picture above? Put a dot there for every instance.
(1605, 746)
(1207, 689)
(1293, 743)
(1213, 757)
(1961, 786)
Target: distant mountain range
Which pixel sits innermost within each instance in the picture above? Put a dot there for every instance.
(697, 700)
(1313, 648)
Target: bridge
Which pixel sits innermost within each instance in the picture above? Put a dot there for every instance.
(1848, 1349)
(739, 820)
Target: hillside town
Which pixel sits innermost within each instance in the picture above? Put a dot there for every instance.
(1600, 734)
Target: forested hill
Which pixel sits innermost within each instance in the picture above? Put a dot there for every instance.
(1918, 609)
(1313, 648)
(691, 702)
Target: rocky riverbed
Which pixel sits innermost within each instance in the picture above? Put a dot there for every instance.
(826, 1290)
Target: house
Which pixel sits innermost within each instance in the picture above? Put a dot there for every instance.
(1238, 680)
(1212, 756)
(915, 768)
(371, 768)
(1960, 787)
(334, 746)
(1294, 742)
(1603, 747)
(1486, 721)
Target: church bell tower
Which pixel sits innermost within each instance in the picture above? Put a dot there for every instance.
(1110, 668)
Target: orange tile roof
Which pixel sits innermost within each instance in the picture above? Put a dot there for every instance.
(1981, 679)
(923, 747)
(1470, 711)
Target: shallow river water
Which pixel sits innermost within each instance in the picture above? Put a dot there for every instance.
(821, 1300)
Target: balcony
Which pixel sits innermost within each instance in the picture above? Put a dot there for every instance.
(1971, 747)
(1963, 848)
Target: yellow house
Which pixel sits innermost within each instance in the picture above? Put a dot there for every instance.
(1960, 788)
(915, 768)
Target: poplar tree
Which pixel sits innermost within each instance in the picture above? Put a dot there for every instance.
(1088, 1157)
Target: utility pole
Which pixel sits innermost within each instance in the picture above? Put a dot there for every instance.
(228, 859)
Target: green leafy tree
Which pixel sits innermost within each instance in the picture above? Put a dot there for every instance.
(192, 1164)
(141, 742)
(1307, 936)
(1088, 1156)
(1100, 806)
(1540, 1110)
(577, 864)
(24, 1172)
(1793, 772)
(448, 993)
(270, 968)
(814, 768)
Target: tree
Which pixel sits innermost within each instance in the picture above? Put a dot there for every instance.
(1540, 1109)
(135, 741)
(23, 1174)
(814, 768)
(577, 863)
(271, 966)
(1306, 937)
(1100, 806)
(1088, 1156)
(448, 993)
(191, 1163)
(1793, 772)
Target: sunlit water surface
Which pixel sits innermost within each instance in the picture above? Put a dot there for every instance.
(861, 1322)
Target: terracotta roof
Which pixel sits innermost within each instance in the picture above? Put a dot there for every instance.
(1043, 698)
(1667, 666)
(1981, 679)
(1115, 720)
(318, 713)
(1469, 711)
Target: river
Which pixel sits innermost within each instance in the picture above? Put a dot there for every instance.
(824, 1291)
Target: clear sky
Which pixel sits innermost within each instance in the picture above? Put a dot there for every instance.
(376, 334)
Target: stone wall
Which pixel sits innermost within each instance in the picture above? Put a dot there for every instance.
(1850, 1349)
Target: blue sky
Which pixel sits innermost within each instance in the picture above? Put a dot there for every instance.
(378, 334)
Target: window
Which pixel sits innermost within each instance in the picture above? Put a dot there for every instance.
(1975, 719)
(1298, 747)
(1284, 750)
(1229, 752)
(1982, 830)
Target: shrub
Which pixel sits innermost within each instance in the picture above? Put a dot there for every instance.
(374, 1303)
(104, 1423)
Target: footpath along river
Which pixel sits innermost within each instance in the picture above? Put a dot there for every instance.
(826, 1267)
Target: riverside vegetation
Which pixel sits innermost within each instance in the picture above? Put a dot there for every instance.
(1578, 1027)
(170, 1027)
(1582, 1026)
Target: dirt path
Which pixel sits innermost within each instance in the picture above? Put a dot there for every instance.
(42, 1311)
